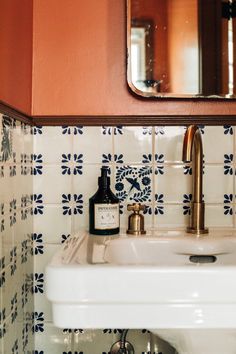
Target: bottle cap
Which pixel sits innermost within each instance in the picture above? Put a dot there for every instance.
(104, 180)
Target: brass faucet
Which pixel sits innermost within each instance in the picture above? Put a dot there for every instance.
(193, 142)
(136, 220)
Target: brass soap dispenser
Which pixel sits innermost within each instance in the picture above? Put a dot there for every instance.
(136, 220)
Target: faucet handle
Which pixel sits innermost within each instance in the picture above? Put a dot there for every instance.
(136, 207)
(136, 220)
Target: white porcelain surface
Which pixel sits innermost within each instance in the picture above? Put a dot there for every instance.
(149, 282)
(171, 250)
(164, 290)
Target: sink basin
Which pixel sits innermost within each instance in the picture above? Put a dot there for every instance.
(170, 282)
(172, 250)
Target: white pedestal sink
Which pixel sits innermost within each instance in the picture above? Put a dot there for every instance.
(150, 282)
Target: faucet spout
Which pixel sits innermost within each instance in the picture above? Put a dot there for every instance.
(193, 152)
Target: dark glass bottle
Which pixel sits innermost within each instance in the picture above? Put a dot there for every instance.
(104, 214)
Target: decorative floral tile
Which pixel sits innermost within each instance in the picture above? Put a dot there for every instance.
(134, 183)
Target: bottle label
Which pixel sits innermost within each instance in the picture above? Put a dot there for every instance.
(106, 216)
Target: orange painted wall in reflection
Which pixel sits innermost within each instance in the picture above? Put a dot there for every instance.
(16, 53)
(156, 10)
(182, 42)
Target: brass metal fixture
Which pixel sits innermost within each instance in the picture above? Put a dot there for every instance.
(136, 220)
(193, 142)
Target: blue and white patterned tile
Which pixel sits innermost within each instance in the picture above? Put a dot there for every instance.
(52, 143)
(217, 141)
(53, 223)
(7, 240)
(52, 340)
(217, 183)
(172, 183)
(92, 144)
(169, 143)
(133, 144)
(52, 183)
(134, 183)
(17, 142)
(84, 342)
(8, 288)
(80, 221)
(170, 216)
(6, 152)
(43, 255)
(221, 216)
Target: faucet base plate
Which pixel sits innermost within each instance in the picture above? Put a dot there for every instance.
(191, 230)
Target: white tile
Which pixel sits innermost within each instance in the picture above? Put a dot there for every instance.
(215, 216)
(52, 144)
(170, 143)
(95, 341)
(80, 222)
(52, 224)
(92, 144)
(216, 144)
(7, 237)
(173, 183)
(87, 182)
(133, 144)
(8, 290)
(52, 340)
(216, 184)
(17, 141)
(171, 218)
(52, 184)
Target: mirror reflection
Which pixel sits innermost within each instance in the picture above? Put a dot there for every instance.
(181, 48)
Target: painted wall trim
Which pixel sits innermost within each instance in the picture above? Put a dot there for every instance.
(134, 120)
(128, 120)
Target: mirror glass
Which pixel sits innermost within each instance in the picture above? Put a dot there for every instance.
(182, 48)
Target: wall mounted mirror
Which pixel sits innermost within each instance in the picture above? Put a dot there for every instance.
(182, 48)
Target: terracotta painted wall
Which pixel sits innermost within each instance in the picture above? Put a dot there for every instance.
(79, 64)
(16, 53)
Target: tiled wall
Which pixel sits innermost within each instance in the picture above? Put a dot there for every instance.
(146, 166)
(16, 226)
